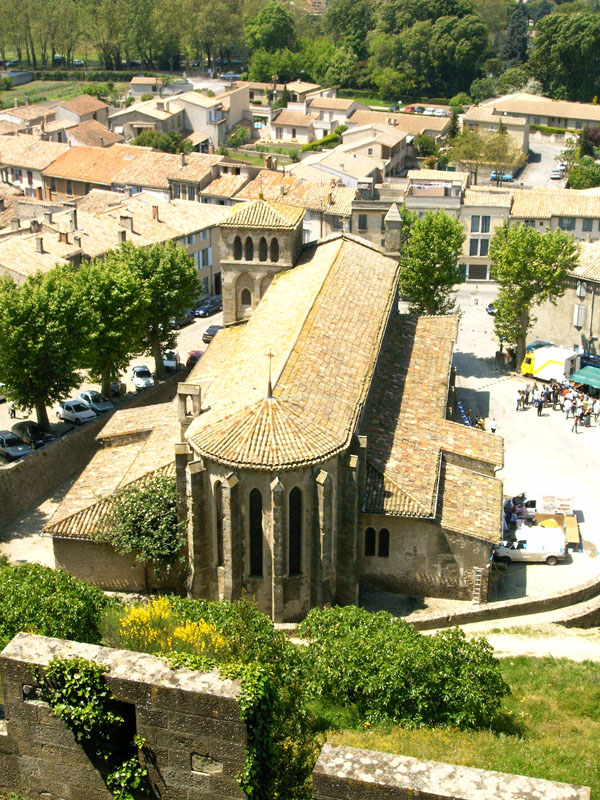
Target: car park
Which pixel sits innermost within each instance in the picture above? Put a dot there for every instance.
(209, 306)
(74, 411)
(11, 447)
(32, 434)
(429, 112)
(504, 176)
(185, 318)
(210, 333)
(193, 357)
(409, 110)
(141, 377)
(96, 401)
(439, 112)
(419, 109)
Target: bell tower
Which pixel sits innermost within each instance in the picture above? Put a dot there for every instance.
(258, 240)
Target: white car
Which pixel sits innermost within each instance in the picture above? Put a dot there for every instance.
(429, 112)
(96, 401)
(141, 377)
(557, 174)
(439, 112)
(171, 360)
(74, 411)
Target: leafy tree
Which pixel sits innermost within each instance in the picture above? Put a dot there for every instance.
(468, 150)
(238, 136)
(409, 218)
(512, 80)
(283, 63)
(272, 29)
(593, 135)
(114, 304)
(48, 602)
(482, 88)
(316, 53)
(429, 264)
(531, 268)
(461, 99)
(493, 67)
(501, 151)
(143, 520)
(495, 14)
(170, 284)
(348, 22)
(540, 9)
(586, 148)
(390, 83)
(99, 90)
(585, 174)
(453, 128)
(172, 142)
(513, 49)
(43, 330)
(425, 145)
(342, 67)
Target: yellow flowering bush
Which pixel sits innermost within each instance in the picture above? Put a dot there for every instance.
(156, 627)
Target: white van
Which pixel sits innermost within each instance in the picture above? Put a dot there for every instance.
(537, 544)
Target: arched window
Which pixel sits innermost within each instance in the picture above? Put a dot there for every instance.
(237, 248)
(262, 249)
(256, 534)
(295, 532)
(249, 249)
(384, 543)
(370, 542)
(246, 297)
(219, 520)
(274, 251)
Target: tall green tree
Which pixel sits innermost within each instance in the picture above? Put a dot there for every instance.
(468, 150)
(585, 174)
(348, 22)
(170, 284)
(429, 264)
(530, 268)
(513, 48)
(43, 329)
(115, 307)
(501, 151)
(272, 29)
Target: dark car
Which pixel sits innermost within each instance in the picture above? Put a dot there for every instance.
(419, 109)
(491, 309)
(32, 434)
(12, 447)
(210, 333)
(193, 357)
(186, 318)
(208, 307)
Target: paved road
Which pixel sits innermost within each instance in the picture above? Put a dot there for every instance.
(542, 161)
(188, 338)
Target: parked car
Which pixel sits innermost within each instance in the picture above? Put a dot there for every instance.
(11, 447)
(429, 112)
(231, 76)
(193, 357)
(419, 109)
(209, 306)
(74, 411)
(96, 401)
(497, 176)
(408, 110)
(557, 174)
(171, 360)
(185, 318)
(440, 112)
(32, 434)
(141, 377)
(491, 309)
(77, 62)
(210, 333)
(2, 395)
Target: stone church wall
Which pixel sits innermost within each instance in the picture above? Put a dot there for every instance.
(424, 559)
(195, 741)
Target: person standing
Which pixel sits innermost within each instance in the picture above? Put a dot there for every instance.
(527, 393)
(597, 410)
(574, 426)
(567, 406)
(540, 404)
(492, 425)
(519, 399)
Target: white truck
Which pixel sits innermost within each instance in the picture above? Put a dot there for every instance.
(537, 543)
(551, 362)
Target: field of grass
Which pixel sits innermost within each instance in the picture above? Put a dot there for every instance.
(38, 91)
(549, 727)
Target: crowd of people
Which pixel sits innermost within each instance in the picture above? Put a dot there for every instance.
(566, 397)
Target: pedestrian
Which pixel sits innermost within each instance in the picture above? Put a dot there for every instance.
(587, 417)
(540, 405)
(567, 406)
(519, 399)
(492, 425)
(597, 410)
(469, 420)
(527, 393)
(575, 424)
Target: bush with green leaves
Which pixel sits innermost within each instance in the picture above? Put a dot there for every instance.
(143, 520)
(389, 672)
(48, 602)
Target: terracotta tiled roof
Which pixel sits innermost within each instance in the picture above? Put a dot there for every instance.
(143, 80)
(437, 175)
(488, 114)
(92, 164)
(149, 168)
(263, 215)
(29, 152)
(84, 104)
(295, 119)
(8, 128)
(333, 103)
(487, 198)
(94, 134)
(410, 123)
(533, 104)
(197, 166)
(225, 185)
(415, 454)
(293, 191)
(545, 203)
(323, 325)
(589, 261)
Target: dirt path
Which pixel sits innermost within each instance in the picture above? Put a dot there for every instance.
(576, 644)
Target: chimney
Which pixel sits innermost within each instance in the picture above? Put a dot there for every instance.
(268, 162)
(281, 188)
(155, 213)
(330, 199)
(63, 237)
(1, 204)
(36, 226)
(183, 159)
(126, 221)
(211, 150)
(16, 103)
(48, 217)
(77, 240)
(73, 221)
(121, 237)
(39, 244)
(102, 141)
(15, 224)
(43, 124)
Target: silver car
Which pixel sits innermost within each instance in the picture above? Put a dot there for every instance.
(141, 377)
(11, 447)
(96, 401)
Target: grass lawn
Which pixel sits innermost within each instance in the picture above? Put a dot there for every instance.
(256, 161)
(38, 91)
(549, 727)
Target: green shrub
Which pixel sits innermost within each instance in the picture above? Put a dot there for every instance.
(327, 141)
(547, 129)
(389, 671)
(48, 602)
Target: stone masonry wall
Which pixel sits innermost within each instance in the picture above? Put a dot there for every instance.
(24, 482)
(195, 741)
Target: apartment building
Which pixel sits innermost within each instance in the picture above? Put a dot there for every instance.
(488, 118)
(23, 158)
(540, 110)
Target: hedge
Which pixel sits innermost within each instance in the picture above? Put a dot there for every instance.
(547, 129)
(92, 77)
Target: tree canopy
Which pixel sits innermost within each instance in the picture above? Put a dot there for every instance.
(272, 29)
(429, 264)
(172, 142)
(531, 268)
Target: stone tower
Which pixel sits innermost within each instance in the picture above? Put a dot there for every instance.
(258, 240)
